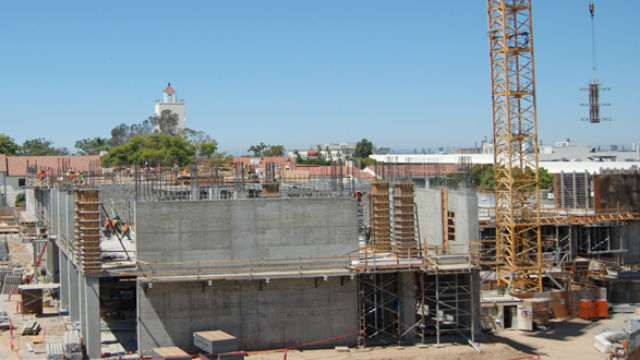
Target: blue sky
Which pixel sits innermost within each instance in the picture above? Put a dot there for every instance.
(404, 74)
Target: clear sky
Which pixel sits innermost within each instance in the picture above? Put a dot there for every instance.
(404, 74)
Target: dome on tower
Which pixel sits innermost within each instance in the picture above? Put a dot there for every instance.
(169, 89)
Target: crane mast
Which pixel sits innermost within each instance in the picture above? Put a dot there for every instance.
(517, 247)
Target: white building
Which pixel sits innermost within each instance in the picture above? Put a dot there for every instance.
(341, 151)
(170, 102)
(565, 156)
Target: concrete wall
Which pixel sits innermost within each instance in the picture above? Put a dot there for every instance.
(9, 188)
(283, 312)
(629, 236)
(118, 199)
(465, 205)
(245, 229)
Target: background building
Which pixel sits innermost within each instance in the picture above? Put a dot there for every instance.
(170, 102)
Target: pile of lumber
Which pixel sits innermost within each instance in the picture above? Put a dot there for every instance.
(72, 343)
(31, 327)
(55, 350)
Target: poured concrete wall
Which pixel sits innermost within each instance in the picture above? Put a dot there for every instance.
(465, 205)
(118, 199)
(245, 229)
(629, 235)
(282, 313)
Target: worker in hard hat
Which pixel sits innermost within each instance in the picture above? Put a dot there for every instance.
(108, 228)
(126, 230)
(116, 224)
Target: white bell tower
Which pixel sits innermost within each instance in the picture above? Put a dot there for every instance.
(170, 102)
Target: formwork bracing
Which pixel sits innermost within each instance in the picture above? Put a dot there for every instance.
(405, 233)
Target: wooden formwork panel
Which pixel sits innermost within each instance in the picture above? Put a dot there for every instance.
(87, 231)
(380, 215)
(404, 218)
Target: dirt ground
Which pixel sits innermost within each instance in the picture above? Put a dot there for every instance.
(569, 339)
(564, 339)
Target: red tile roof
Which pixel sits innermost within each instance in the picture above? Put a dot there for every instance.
(17, 165)
(169, 89)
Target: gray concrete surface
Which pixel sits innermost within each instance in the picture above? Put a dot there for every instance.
(91, 316)
(407, 298)
(245, 229)
(282, 313)
(465, 205)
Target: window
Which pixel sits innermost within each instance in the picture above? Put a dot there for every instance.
(22, 182)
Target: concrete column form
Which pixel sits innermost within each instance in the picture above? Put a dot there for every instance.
(64, 280)
(74, 293)
(91, 316)
(407, 301)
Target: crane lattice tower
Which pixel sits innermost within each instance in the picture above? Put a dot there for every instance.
(515, 139)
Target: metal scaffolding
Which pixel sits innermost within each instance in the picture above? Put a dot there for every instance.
(444, 304)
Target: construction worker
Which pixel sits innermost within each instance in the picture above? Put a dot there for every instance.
(116, 224)
(126, 231)
(108, 228)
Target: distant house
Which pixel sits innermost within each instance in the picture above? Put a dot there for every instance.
(14, 171)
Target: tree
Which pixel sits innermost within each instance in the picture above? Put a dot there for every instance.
(274, 150)
(207, 149)
(92, 146)
(8, 146)
(40, 147)
(257, 150)
(364, 148)
(197, 137)
(120, 135)
(20, 200)
(546, 179)
(154, 149)
(146, 127)
(167, 123)
(481, 176)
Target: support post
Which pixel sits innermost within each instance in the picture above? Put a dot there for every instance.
(92, 316)
(64, 281)
(74, 293)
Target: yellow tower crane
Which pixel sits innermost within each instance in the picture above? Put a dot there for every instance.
(517, 247)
